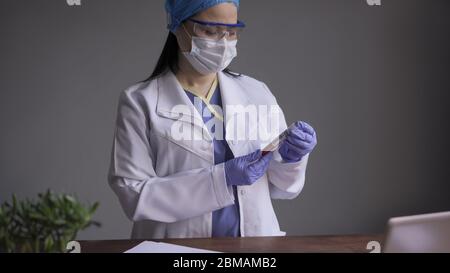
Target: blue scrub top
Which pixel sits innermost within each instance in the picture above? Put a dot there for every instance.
(225, 221)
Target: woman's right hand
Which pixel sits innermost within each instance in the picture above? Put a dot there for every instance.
(246, 170)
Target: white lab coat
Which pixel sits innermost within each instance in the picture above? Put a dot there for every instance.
(169, 188)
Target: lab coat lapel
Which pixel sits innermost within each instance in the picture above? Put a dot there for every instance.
(171, 94)
(234, 94)
(174, 104)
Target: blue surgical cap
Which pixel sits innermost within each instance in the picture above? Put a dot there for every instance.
(180, 10)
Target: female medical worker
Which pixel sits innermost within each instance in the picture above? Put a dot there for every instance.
(212, 184)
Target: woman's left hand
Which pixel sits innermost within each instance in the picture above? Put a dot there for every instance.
(300, 141)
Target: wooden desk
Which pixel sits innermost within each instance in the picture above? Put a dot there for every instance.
(346, 243)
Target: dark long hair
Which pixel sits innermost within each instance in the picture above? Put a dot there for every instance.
(169, 59)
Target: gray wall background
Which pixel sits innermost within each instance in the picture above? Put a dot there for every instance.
(373, 81)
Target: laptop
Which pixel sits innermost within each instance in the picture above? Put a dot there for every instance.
(420, 233)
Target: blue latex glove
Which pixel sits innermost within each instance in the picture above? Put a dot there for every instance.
(300, 141)
(246, 170)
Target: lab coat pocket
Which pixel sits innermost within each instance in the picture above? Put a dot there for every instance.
(174, 156)
(187, 136)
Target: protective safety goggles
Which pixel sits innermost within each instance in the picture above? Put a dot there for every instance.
(217, 31)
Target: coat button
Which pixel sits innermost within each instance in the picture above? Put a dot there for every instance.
(243, 192)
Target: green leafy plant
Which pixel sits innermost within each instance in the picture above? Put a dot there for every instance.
(44, 225)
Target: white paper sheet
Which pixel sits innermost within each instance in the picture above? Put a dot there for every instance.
(156, 247)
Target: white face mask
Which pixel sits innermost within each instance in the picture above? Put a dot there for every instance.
(209, 56)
